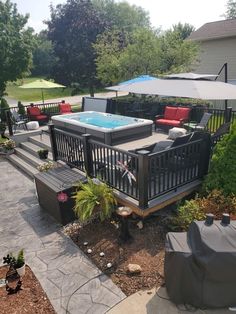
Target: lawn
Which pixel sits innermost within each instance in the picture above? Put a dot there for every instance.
(21, 94)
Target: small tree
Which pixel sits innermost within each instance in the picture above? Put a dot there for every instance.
(3, 106)
(21, 108)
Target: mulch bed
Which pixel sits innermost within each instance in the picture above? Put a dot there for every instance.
(146, 250)
(31, 299)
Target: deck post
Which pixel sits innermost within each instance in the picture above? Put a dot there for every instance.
(53, 141)
(228, 114)
(143, 177)
(88, 158)
(9, 123)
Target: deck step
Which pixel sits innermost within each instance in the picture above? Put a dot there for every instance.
(33, 149)
(41, 140)
(28, 157)
(23, 165)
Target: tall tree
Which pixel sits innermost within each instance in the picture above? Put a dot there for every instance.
(230, 9)
(184, 30)
(73, 29)
(176, 54)
(43, 55)
(122, 15)
(16, 44)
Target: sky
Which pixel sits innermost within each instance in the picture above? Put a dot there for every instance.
(163, 13)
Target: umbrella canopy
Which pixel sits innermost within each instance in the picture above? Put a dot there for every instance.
(181, 88)
(192, 76)
(41, 84)
(138, 79)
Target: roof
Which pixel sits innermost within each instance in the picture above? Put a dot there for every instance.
(214, 30)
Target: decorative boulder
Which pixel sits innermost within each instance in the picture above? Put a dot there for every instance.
(134, 269)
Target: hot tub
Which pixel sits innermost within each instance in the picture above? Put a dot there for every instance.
(110, 129)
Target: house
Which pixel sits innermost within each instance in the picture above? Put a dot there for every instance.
(217, 46)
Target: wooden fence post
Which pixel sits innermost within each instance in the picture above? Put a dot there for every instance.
(88, 158)
(143, 178)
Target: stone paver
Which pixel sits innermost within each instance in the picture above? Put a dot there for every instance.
(71, 281)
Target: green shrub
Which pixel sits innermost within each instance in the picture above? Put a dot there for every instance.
(215, 203)
(187, 213)
(222, 171)
(94, 197)
(3, 105)
(21, 108)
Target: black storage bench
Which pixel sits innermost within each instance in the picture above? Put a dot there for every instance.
(50, 184)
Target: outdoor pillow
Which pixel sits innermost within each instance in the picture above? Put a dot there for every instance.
(170, 113)
(182, 113)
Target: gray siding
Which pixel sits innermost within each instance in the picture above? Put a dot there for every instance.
(214, 53)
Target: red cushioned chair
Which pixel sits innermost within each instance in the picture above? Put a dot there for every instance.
(173, 117)
(35, 114)
(65, 108)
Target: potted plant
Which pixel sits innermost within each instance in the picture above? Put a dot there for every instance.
(18, 262)
(43, 153)
(94, 197)
(46, 166)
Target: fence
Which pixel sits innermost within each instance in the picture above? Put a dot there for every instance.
(47, 108)
(142, 176)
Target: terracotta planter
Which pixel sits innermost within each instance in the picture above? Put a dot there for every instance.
(21, 270)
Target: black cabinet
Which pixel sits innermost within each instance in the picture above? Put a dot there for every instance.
(52, 183)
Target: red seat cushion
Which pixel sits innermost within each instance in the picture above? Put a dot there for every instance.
(170, 113)
(182, 113)
(40, 117)
(34, 111)
(65, 108)
(168, 122)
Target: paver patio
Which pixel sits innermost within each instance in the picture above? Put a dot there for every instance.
(70, 280)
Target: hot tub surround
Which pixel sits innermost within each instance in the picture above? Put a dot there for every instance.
(104, 127)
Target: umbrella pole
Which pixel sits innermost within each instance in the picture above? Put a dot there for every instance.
(42, 95)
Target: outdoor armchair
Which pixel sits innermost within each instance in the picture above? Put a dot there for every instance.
(35, 114)
(201, 125)
(18, 121)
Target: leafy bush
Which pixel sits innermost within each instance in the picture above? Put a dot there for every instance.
(94, 196)
(215, 203)
(9, 144)
(187, 213)
(222, 171)
(46, 166)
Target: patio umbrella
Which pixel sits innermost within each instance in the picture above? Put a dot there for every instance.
(41, 84)
(141, 78)
(202, 89)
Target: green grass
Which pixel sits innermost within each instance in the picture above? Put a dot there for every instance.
(21, 94)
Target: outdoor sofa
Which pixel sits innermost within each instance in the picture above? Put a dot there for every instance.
(173, 117)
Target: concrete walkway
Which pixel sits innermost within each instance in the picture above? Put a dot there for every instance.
(157, 301)
(72, 283)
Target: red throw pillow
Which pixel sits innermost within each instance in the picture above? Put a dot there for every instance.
(34, 111)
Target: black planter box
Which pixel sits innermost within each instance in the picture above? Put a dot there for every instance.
(49, 184)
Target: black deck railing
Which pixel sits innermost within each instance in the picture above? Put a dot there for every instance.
(142, 176)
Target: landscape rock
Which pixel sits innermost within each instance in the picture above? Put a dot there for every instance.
(134, 269)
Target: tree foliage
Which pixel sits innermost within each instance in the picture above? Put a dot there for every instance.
(73, 29)
(230, 9)
(16, 43)
(43, 55)
(122, 15)
(144, 51)
(177, 54)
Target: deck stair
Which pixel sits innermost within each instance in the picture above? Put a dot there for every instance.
(26, 157)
